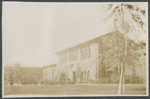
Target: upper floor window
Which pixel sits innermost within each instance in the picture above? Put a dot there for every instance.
(63, 58)
(85, 52)
(89, 52)
(81, 53)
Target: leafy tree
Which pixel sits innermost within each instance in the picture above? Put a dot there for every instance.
(11, 77)
(127, 18)
(17, 65)
(17, 73)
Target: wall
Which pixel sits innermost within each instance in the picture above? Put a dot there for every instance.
(105, 58)
(49, 73)
(80, 59)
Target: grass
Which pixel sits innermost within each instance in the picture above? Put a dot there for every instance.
(72, 90)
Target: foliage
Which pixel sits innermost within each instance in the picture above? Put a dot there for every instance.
(127, 17)
(28, 80)
(112, 53)
(63, 78)
(20, 75)
(79, 74)
(133, 79)
(17, 65)
(49, 82)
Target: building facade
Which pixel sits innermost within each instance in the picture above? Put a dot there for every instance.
(50, 73)
(79, 63)
(97, 59)
(22, 75)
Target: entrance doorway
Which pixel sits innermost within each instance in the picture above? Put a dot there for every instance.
(74, 76)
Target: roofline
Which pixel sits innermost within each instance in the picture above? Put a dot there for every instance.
(52, 65)
(85, 42)
(22, 67)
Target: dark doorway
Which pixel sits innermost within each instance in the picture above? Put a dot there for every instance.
(74, 76)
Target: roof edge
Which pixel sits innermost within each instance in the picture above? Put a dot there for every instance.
(86, 41)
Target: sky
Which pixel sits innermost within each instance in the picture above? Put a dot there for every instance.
(33, 32)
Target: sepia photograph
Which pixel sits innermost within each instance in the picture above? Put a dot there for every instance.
(73, 49)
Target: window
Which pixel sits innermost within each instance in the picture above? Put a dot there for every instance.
(85, 74)
(88, 73)
(66, 58)
(81, 53)
(89, 52)
(75, 54)
(69, 56)
(86, 52)
(82, 74)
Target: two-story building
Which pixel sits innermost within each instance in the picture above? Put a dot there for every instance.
(95, 59)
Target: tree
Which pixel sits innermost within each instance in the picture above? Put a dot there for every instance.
(17, 76)
(127, 18)
(17, 65)
(62, 78)
(11, 77)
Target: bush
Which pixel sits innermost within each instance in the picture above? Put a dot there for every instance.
(62, 79)
(11, 80)
(26, 80)
(11, 83)
(133, 79)
(50, 82)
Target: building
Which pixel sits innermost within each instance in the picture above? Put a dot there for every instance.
(99, 59)
(50, 73)
(22, 75)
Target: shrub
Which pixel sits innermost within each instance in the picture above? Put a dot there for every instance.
(50, 82)
(62, 79)
(11, 83)
(133, 79)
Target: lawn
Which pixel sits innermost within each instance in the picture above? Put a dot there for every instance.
(72, 90)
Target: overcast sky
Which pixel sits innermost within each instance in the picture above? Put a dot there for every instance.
(34, 32)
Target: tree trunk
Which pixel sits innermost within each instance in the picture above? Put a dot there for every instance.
(121, 82)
